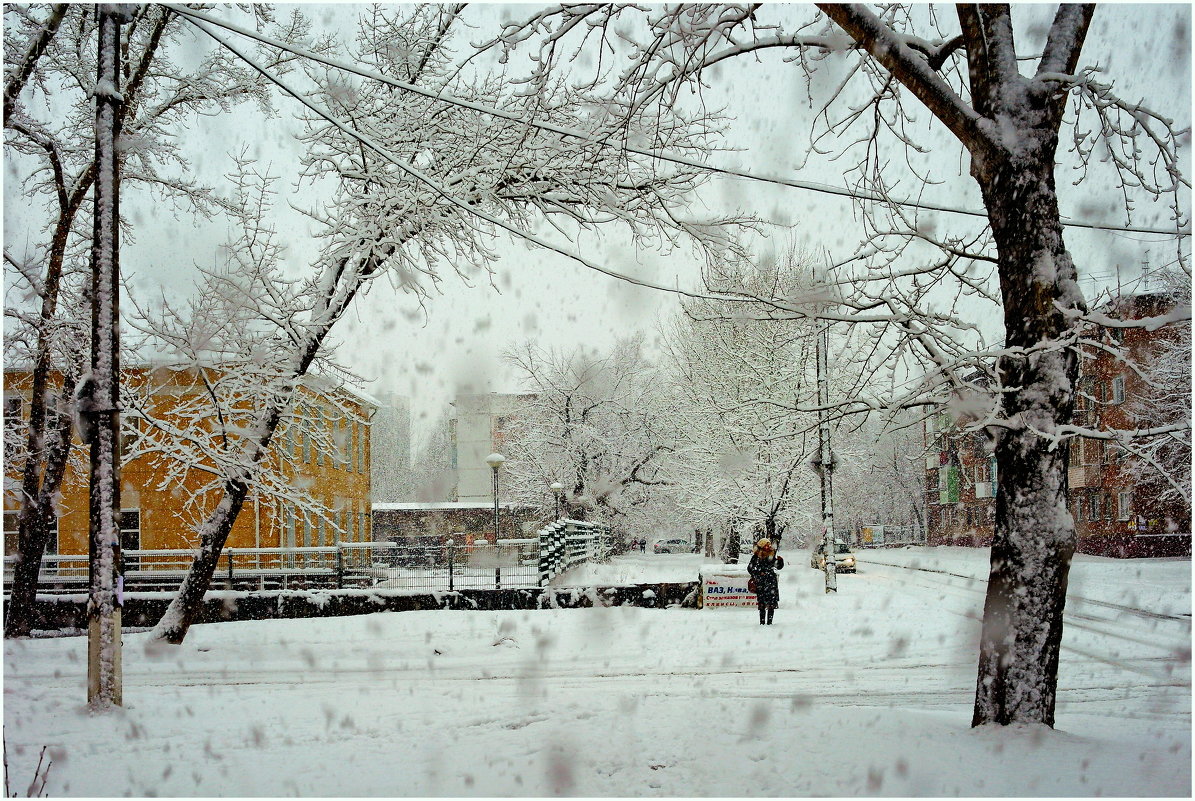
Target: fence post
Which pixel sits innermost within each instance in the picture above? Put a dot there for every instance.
(339, 566)
(543, 556)
(229, 554)
(451, 547)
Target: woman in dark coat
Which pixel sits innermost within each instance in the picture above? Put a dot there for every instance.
(763, 566)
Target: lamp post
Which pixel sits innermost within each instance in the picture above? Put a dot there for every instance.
(495, 460)
(557, 490)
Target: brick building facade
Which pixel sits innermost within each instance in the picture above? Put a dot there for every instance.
(1114, 515)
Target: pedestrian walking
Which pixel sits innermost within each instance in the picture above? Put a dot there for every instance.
(762, 567)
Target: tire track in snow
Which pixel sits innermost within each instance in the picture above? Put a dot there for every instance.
(1182, 618)
(1070, 619)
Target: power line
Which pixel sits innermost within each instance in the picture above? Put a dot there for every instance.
(420, 176)
(659, 155)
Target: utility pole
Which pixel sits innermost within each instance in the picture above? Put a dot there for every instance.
(99, 398)
(824, 464)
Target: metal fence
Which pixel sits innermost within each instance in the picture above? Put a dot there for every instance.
(513, 563)
(239, 568)
(415, 566)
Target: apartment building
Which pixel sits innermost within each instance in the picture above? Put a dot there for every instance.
(479, 426)
(1114, 514)
(326, 452)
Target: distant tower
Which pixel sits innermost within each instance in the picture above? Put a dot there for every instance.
(479, 427)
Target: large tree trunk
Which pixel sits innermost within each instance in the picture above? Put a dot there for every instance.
(1035, 536)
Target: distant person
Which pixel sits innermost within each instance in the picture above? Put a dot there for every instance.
(643, 544)
(762, 567)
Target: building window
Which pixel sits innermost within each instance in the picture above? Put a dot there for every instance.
(362, 429)
(1076, 452)
(130, 537)
(1078, 508)
(12, 409)
(1114, 453)
(11, 528)
(1124, 505)
(1118, 390)
(12, 520)
(12, 428)
(1107, 506)
(1093, 508)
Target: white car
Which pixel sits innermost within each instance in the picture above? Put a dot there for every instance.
(672, 546)
(844, 560)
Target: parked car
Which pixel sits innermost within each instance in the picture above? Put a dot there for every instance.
(672, 546)
(844, 560)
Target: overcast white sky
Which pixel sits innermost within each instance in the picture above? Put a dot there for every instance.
(1145, 49)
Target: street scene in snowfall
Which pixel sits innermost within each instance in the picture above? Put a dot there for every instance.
(866, 693)
(481, 294)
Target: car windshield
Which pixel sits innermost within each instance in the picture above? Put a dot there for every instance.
(841, 547)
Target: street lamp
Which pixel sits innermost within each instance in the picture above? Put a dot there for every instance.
(557, 490)
(495, 460)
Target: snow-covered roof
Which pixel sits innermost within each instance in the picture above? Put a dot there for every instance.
(322, 383)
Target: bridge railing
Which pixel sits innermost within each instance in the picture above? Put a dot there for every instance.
(564, 544)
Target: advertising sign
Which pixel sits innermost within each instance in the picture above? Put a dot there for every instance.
(724, 586)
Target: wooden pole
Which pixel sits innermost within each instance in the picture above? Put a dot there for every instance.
(100, 395)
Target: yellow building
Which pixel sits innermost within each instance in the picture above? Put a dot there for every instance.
(163, 497)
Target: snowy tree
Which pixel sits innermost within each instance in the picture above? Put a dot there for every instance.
(50, 57)
(881, 476)
(967, 72)
(421, 184)
(742, 460)
(592, 423)
(1161, 399)
(432, 476)
(220, 356)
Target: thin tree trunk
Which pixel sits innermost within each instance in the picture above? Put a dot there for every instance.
(34, 527)
(1035, 537)
(44, 468)
(20, 75)
(213, 534)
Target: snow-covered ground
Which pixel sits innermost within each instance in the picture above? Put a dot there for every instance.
(864, 693)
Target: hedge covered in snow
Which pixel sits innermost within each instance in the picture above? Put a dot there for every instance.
(143, 609)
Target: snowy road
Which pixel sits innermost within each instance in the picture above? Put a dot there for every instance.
(876, 681)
